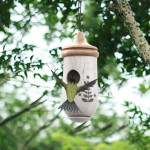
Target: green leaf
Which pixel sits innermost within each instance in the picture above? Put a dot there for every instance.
(26, 74)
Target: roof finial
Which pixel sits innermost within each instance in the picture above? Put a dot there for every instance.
(80, 38)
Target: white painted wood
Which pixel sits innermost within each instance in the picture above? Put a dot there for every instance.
(85, 66)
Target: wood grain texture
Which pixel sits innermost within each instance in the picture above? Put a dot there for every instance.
(79, 52)
(80, 48)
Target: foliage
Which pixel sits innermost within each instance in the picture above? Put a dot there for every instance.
(111, 38)
(67, 142)
(118, 61)
(14, 133)
(140, 126)
(16, 61)
(144, 87)
(108, 34)
(118, 145)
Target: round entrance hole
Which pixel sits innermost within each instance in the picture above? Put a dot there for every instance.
(73, 76)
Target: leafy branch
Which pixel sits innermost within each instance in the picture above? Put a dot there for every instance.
(25, 109)
(36, 132)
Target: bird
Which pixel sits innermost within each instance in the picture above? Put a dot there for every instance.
(71, 91)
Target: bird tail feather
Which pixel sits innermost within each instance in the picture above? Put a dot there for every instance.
(72, 107)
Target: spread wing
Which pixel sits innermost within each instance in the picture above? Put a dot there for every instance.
(86, 86)
(59, 80)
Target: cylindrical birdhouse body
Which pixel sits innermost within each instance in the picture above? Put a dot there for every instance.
(80, 65)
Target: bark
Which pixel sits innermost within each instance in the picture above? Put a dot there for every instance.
(27, 108)
(122, 7)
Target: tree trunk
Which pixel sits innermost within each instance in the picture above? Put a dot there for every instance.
(122, 7)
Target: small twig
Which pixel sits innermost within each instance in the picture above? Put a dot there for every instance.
(120, 128)
(106, 127)
(28, 140)
(80, 127)
(12, 76)
(27, 108)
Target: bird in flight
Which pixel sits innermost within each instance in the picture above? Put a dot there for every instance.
(71, 91)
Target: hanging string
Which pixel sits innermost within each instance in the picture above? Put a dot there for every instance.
(79, 14)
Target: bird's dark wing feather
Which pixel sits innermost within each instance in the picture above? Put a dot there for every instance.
(86, 86)
(59, 80)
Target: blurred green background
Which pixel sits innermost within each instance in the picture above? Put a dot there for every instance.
(32, 34)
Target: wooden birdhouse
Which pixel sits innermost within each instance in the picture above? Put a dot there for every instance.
(80, 64)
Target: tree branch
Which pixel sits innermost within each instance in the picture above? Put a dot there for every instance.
(107, 127)
(27, 108)
(120, 128)
(80, 127)
(122, 7)
(28, 140)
